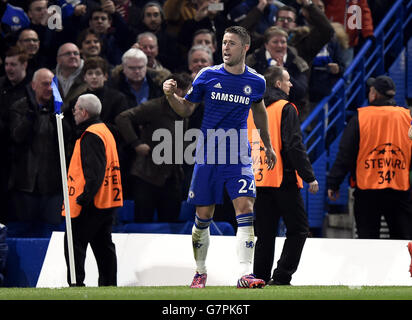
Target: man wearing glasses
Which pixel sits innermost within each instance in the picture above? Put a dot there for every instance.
(29, 42)
(49, 38)
(68, 71)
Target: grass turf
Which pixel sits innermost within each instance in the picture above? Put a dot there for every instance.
(210, 293)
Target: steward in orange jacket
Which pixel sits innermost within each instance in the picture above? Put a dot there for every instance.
(278, 191)
(95, 191)
(376, 151)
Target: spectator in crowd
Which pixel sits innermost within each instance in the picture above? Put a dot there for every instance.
(132, 79)
(95, 73)
(130, 11)
(199, 57)
(376, 152)
(176, 12)
(308, 40)
(13, 84)
(49, 38)
(12, 88)
(147, 42)
(35, 175)
(95, 195)
(358, 24)
(89, 44)
(29, 42)
(37, 12)
(206, 37)
(328, 65)
(276, 52)
(113, 32)
(156, 186)
(278, 191)
(153, 21)
(76, 16)
(68, 72)
(205, 18)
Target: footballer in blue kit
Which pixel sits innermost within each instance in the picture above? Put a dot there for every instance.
(227, 98)
(223, 160)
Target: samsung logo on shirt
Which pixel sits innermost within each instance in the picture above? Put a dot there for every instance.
(229, 97)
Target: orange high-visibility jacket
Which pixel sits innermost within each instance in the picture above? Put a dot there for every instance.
(110, 192)
(263, 176)
(384, 148)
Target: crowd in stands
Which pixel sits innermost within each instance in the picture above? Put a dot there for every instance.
(122, 51)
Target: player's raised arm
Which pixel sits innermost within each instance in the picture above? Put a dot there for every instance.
(180, 105)
(261, 122)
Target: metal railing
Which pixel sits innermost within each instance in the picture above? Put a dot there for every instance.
(327, 121)
(330, 115)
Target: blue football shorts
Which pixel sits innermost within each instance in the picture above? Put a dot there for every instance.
(209, 181)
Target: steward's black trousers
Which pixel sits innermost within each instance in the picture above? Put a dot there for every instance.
(93, 226)
(394, 205)
(271, 204)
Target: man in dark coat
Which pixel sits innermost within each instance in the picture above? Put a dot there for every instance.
(155, 186)
(35, 177)
(12, 88)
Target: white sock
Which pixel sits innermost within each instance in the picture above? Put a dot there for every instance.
(245, 239)
(200, 242)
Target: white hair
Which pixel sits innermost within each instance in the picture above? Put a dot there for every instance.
(200, 47)
(146, 34)
(90, 103)
(134, 53)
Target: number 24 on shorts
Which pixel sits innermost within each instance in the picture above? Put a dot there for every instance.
(244, 188)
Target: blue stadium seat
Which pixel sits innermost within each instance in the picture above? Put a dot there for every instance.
(125, 214)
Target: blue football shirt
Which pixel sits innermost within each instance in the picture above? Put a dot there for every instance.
(227, 98)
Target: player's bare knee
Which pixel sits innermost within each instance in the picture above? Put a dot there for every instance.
(243, 205)
(205, 212)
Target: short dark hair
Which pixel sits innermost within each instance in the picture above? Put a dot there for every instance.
(273, 74)
(152, 4)
(286, 8)
(17, 51)
(206, 31)
(83, 35)
(241, 32)
(99, 9)
(94, 63)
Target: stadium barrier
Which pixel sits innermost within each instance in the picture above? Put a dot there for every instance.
(167, 260)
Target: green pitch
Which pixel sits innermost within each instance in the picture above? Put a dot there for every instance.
(210, 293)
